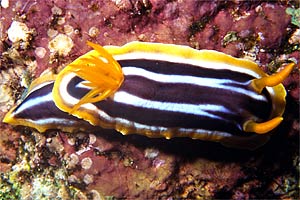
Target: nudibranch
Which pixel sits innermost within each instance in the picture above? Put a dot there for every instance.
(158, 90)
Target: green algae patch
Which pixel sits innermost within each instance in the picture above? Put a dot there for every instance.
(295, 13)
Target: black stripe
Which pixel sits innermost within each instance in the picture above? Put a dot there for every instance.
(185, 93)
(43, 110)
(166, 118)
(36, 94)
(165, 67)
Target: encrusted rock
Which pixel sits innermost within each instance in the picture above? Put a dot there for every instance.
(61, 44)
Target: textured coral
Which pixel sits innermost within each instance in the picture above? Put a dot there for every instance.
(102, 164)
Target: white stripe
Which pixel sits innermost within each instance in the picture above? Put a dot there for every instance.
(68, 98)
(200, 81)
(52, 120)
(205, 133)
(30, 104)
(203, 110)
(37, 87)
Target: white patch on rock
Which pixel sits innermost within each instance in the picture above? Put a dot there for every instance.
(4, 3)
(61, 44)
(40, 52)
(88, 179)
(18, 31)
(295, 38)
(86, 163)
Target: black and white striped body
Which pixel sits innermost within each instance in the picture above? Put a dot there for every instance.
(38, 110)
(164, 98)
(158, 90)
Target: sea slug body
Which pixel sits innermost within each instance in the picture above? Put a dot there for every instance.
(159, 90)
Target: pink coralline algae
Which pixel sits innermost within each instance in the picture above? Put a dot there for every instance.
(265, 25)
(47, 35)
